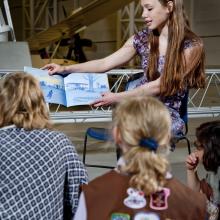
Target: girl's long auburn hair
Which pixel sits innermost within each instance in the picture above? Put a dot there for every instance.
(22, 102)
(176, 73)
(139, 118)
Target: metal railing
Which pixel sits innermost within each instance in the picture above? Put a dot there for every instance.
(202, 102)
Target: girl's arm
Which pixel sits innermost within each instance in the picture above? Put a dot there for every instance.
(81, 212)
(152, 88)
(193, 180)
(118, 58)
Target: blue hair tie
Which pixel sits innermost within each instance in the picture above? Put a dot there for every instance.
(149, 143)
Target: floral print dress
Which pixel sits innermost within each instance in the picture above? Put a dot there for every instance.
(173, 103)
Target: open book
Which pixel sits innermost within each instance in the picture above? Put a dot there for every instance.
(74, 89)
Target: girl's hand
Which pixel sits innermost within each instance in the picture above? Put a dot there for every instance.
(192, 161)
(53, 68)
(107, 99)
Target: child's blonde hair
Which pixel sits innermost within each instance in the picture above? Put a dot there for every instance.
(22, 102)
(137, 119)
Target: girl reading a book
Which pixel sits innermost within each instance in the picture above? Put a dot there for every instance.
(172, 58)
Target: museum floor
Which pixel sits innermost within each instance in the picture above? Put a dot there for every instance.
(104, 154)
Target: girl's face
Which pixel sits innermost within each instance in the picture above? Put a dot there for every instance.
(199, 151)
(156, 15)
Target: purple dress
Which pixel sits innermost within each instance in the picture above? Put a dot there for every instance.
(173, 103)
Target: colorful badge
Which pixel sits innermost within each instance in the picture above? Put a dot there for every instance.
(120, 216)
(146, 216)
(158, 200)
(135, 199)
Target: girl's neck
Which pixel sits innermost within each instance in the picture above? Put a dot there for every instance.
(163, 40)
(163, 32)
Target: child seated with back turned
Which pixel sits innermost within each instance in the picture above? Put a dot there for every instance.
(141, 187)
(208, 153)
(40, 170)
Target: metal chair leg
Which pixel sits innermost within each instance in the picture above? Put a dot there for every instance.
(93, 165)
(84, 149)
(188, 145)
(176, 140)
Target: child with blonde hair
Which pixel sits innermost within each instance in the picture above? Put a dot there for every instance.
(40, 170)
(141, 187)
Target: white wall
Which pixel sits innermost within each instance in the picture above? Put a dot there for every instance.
(103, 35)
(206, 23)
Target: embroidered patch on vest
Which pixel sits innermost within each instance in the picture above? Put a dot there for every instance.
(146, 216)
(120, 216)
(158, 200)
(135, 199)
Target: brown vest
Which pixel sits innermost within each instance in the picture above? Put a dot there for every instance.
(105, 195)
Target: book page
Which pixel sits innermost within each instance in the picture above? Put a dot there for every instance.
(85, 88)
(52, 86)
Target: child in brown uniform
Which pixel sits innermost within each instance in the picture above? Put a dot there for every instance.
(141, 187)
